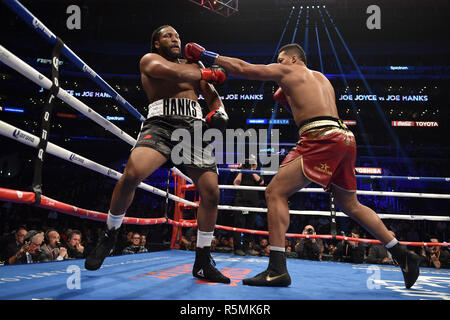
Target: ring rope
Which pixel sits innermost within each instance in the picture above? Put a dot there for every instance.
(26, 197)
(408, 178)
(32, 74)
(15, 63)
(24, 137)
(318, 213)
(29, 72)
(321, 213)
(340, 214)
(48, 35)
(360, 192)
(181, 174)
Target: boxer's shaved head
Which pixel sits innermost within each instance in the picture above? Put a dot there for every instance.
(294, 49)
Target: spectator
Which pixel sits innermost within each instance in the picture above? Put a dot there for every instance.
(30, 252)
(135, 246)
(129, 238)
(73, 245)
(213, 244)
(434, 257)
(224, 244)
(309, 249)
(246, 198)
(252, 251)
(378, 254)
(288, 249)
(124, 240)
(189, 239)
(52, 249)
(188, 242)
(288, 245)
(349, 251)
(266, 252)
(65, 234)
(15, 244)
(231, 243)
(331, 248)
(261, 246)
(144, 241)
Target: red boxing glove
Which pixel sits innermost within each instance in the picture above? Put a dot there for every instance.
(217, 118)
(281, 98)
(194, 52)
(214, 75)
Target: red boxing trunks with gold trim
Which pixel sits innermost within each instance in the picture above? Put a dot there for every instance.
(327, 150)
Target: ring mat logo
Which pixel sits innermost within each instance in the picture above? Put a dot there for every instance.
(235, 274)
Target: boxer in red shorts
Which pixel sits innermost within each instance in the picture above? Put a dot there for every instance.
(328, 154)
(325, 154)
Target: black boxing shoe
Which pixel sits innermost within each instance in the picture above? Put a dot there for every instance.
(103, 249)
(269, 278)
(276, 274)
(205, 267)
(408, 262)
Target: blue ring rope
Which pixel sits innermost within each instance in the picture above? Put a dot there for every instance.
(42, 30)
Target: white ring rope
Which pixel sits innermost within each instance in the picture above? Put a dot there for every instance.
(181, 174)
(12, 132)
(24, 137)
(360, 192)
(29, 72)
(327, 213)
(341, 214)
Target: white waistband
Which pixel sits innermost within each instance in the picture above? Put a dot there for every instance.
(175, 106)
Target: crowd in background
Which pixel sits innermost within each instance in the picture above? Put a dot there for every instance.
(31, 234)
(331, 250)
(56, 236)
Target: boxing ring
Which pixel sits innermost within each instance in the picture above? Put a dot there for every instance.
(167, 275)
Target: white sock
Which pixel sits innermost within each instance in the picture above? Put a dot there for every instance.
(204, 239)
(114, 221)
(391, 243)
(281, 249)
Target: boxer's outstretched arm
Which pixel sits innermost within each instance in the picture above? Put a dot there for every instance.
(238, 67)
(156, 66)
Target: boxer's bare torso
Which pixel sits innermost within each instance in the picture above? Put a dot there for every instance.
(309, 93)
(157, 88)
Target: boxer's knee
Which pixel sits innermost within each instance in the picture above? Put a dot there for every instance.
(349, 205)
(131, 178)
(210, 196)
(272, 194)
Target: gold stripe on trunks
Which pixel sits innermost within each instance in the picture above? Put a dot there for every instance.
(319, 123)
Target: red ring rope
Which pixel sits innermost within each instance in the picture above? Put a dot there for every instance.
(26, 197)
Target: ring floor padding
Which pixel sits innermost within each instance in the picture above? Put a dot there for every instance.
(167, 275)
